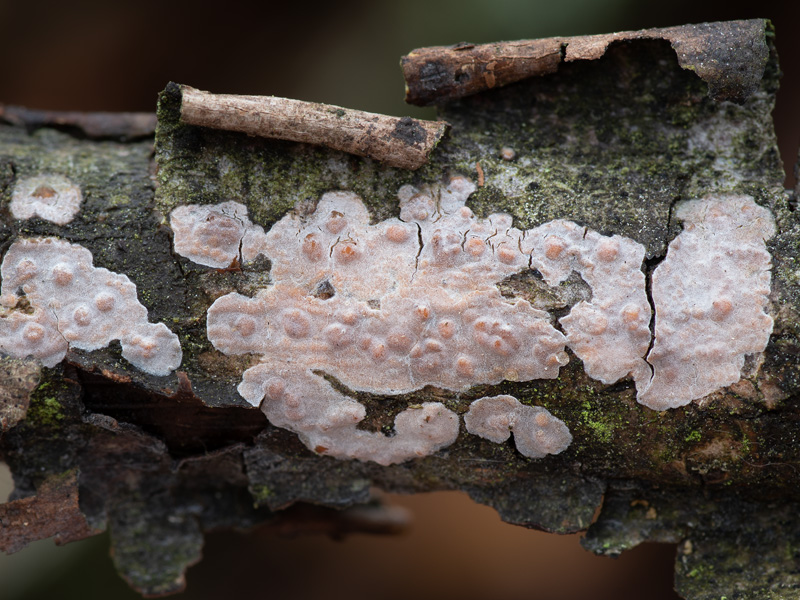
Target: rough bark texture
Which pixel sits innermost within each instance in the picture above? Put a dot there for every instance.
(612, 143)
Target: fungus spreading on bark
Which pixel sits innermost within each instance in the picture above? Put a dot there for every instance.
(53, 299)
(412, 301)
(537, 433)
(710, 293)
(53, 198)
(611, 332)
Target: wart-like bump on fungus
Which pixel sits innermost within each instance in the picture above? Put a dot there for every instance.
(710, 293)
(53, 298)
(53, 198)
(537, 433)
(402, 315)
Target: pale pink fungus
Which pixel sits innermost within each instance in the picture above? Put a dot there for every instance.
(611, 332)
(53, 198)
(214, 235)
(59, 278)
(537, 433)
(413, 301)
(400, 316)
(710, 293)
(507, 153)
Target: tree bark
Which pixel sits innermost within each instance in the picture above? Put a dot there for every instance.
(612, 143)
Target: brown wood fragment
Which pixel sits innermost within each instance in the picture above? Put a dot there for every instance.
(53, 511)
(398, 142)
(96, 125)
(18, 378)
(729, 56)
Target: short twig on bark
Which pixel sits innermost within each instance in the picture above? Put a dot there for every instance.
(398, 142)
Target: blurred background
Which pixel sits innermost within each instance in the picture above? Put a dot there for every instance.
(117, 56)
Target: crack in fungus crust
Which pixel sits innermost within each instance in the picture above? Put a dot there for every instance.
(710, 293)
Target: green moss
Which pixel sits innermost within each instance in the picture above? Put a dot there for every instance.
(45, 410)
(701, 571)
(261, 494)
(693, 436)
(598, 424)
(746, 447)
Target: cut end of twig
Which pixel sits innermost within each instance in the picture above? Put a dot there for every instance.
(729, 56)
(398, 142)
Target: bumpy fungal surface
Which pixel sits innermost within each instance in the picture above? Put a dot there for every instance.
(211, 235)
(326, 420)
(370, 306)
(53, 298)
(392, 307)
(537, 433)
(710, 293)
(51, 197)
(610, 333)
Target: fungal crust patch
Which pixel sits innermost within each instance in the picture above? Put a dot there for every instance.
(53, 299)
(710, 295)
(391, 307)
(537, 433)
(212, 235)
(412, 301)
(53, 198)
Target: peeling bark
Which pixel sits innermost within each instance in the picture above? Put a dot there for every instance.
(53, 511)
(729, 57)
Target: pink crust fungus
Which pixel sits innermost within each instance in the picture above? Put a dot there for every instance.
(53, 299)
(710, 293)
(611, 333)
(411, 302)
(51, 197)
(213, 235)
(537, 433)
(391, 307)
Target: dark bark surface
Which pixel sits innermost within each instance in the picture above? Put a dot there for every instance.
(612, 143)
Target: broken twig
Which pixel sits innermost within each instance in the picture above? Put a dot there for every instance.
(398, 142)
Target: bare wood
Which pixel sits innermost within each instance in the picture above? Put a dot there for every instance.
(716, 53)
(399, 142)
